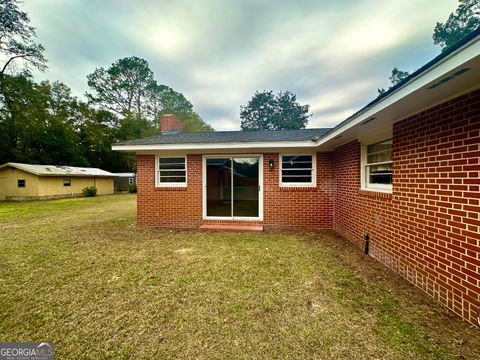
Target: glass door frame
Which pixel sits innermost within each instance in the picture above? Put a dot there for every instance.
(260, 184)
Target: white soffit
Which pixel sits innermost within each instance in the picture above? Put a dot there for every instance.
(411, 98)
(218, 146)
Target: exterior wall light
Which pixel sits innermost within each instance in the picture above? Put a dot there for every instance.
(271, 164)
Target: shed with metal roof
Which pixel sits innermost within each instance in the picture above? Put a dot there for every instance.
(33, 182)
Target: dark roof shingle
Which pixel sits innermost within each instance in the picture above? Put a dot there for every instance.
(229, 136)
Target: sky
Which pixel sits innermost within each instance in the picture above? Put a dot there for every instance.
(332, 54)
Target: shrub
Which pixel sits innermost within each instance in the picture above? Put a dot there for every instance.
(90, 191)
(132, 188)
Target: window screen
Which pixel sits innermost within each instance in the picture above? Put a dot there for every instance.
(297, 169)
(379, 163)
(171, 171)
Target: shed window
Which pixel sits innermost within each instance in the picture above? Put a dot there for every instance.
(171, 171)
(21, 183)
(378, 165)
(67, 182)
(297, 170)
(130, 181)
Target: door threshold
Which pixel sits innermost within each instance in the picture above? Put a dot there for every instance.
(225, 227)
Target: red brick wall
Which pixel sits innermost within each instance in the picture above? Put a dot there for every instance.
(169, 207)
(285, 207)
(299, 207)
(428, 230)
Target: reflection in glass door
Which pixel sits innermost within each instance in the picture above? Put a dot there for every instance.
(219, 187)
(245, 187)
(232, 187)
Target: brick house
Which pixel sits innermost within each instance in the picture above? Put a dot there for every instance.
(403, 170)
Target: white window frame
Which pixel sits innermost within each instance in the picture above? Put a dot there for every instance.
(364, 170)
(131, 181)
(157, 179)
(311, 184)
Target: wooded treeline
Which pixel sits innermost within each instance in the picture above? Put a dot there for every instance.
(43, 123)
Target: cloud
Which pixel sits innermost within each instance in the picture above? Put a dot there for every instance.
(332, 54)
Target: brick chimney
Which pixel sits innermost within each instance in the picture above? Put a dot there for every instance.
(170, 124)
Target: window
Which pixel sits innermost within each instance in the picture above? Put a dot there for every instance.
(21, 183)
(130, 181)
(67, 182)
(297, 170)
(171, 171)
(378, 166)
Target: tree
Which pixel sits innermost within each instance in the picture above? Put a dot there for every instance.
(123, 87)
(20, 131)
(17, 43)
(54, 127)
(396, 77)
(460, 23)
(97, 133)
(191, 121)
(18, 38)
(43, 134)
(270, 111)
(163, 99)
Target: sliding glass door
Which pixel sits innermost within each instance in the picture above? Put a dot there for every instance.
(245, 190)
(219, 187)
(232, 187)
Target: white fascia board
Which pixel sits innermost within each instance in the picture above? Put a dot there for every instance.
(455, 59)
(218, 146)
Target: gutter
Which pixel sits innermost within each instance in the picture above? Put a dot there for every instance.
(469, 41)
(218, 146)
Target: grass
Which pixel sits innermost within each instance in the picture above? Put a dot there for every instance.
(80, 273)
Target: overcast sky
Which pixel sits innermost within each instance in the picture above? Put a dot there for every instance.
(332, 54)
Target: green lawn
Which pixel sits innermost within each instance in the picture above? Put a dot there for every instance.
(80, 273)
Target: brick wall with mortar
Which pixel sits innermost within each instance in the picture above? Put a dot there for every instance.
(170, 123)
(428, 229)
(169, 207)
(283, 207)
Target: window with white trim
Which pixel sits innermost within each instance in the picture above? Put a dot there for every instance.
(171, 171)
(297, 170)
(130, 181)
(378, 165)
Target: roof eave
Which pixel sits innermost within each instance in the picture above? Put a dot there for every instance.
(217, 146)
(462, 53)
(66, 175)
(30, 171)
(14, 165)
